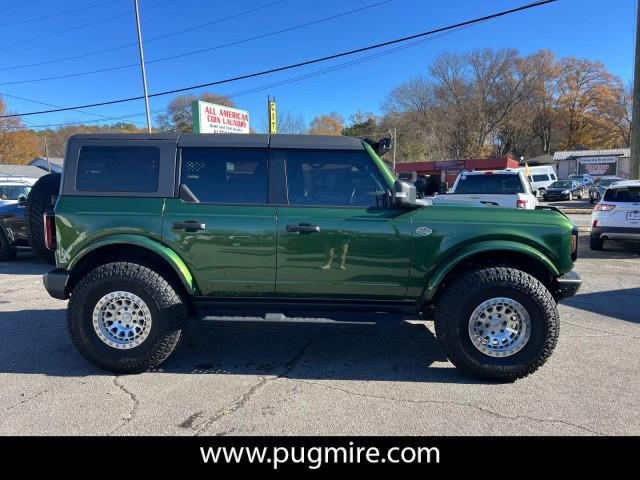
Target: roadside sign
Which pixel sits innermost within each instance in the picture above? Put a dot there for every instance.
(273, 127)
(213, 118)
(598, 166)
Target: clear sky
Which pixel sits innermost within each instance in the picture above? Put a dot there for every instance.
(38, 31)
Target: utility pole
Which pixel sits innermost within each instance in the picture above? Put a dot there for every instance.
(395, 147)
(634, 167)
(46, 153)
(144, 74)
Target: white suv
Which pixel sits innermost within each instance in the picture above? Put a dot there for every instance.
(617, 215)
(503, 188)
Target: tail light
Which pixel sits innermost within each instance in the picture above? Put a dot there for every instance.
(50, 230)
(521, 204)
(594, 224)
(603, 207)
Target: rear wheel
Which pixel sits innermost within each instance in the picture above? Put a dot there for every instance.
(497, 324)
(125, 318)
(595, 242)
(7, 251)
(39, 201)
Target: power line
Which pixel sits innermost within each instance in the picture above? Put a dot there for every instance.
(299, 64)
(15, 5)
(202, 50)
(47, 104)
(151, 39)
(58, 14)
(79, 27)
(278, 83)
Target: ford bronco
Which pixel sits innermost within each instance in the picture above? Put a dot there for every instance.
(149, 229)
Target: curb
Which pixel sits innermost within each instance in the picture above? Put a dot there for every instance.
(574, 211)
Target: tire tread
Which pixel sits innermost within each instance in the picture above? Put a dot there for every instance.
(450, 305)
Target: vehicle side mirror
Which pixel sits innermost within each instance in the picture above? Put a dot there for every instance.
(404, 194)
(22, 200)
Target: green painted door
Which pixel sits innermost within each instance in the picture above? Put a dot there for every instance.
(337, 238)
(228, 239)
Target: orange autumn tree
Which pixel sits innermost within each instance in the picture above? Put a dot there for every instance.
(331, 124)
(17, 145)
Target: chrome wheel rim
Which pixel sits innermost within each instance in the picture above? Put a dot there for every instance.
(499, 327)
(122, 320)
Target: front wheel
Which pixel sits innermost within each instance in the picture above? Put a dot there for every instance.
(595, 242)
(497, 324)
(7, 251)
(125, 318)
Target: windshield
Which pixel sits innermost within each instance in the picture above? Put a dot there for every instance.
(490, 183)
(563, 184)
(13, 192)
(605, 182)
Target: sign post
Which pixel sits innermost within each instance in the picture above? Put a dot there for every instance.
(213, 118)
(273, 127)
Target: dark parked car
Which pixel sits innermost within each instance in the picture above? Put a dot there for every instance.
(563, 190)
(12, 230)
(600, 185)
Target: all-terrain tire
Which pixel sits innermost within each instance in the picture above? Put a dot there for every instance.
(456, 305)
(39, 201)
(596, 243)
(7, 251)
(167, 310)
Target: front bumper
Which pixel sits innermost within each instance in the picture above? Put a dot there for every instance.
(568, 285)
(616, 233)
(552, 197)
(55, 282)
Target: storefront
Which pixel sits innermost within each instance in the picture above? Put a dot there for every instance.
(596, 163)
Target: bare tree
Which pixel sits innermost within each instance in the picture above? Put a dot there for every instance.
(178, 118)
(287, 123)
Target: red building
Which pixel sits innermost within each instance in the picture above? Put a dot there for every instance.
(453, 167)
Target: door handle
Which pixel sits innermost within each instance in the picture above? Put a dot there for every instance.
(303, 228)
(189, 226)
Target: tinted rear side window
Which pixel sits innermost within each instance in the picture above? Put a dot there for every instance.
(631, 195)
(541, 178)
(333, 178)
(225, 175)
(118, 169)
(490, 183)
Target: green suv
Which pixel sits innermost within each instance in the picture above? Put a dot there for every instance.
(148, 229)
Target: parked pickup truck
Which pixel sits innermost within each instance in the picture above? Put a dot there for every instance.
(504, 188)
(148, 229)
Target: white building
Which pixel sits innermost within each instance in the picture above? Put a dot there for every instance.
(615, 161)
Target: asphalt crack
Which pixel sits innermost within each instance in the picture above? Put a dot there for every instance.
(27, 400)
(609, 333)
(243, 399)
(135, 403)
(451, 402)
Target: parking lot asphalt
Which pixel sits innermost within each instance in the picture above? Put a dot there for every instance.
(255, 377)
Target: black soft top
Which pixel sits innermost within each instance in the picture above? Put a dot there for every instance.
(230, 140)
